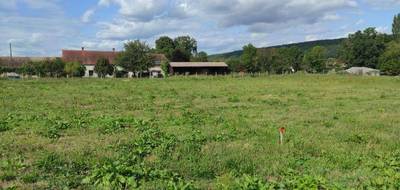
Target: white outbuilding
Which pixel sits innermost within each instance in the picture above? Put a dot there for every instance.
(364, 71)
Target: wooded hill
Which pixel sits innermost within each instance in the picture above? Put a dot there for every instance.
(331, 45)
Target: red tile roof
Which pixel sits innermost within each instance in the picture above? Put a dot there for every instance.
(87, 57)
(90, 57)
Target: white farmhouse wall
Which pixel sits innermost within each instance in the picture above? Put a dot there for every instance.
(90, 68)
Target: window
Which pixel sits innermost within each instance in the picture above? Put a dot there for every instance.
(91, 73)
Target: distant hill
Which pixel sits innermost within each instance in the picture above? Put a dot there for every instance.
(331, 45)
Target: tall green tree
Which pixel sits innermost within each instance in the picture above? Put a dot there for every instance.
(185, 47)
(74, 69)
(294, 58)
(235, 65)
(200, 57)
(103, 68)
(180, 49)
(28, 68)
(315, 60)
(389, 62)
(249, 58)
(54, 68)
(363, 48)
(166, 46)
(266, 61)
(135, 57)
(396, 27)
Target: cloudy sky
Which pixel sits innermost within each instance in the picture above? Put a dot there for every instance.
(44, 27)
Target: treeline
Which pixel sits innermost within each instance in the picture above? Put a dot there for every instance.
(283, 60)
(367, 48)
(48, 68)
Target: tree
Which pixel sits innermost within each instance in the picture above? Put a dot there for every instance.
(235, 65)
(136, 57)
(396, 27)
(249, 58)
(294, 58)
(103, 68)
(28, 68)
(389, 62)
(54, 68)
(266, 61)
(315, 60)
(181, 49)
(165, 68)
(286, 60)
(185, 47)
(179, 55)
(363, 49)
(74, 69)
(166, 46)
(200, 57)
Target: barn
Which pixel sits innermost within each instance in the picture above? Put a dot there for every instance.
(201, 68)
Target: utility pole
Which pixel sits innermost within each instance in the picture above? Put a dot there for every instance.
(10, 52)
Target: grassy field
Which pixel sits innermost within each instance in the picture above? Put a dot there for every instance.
(200, 133)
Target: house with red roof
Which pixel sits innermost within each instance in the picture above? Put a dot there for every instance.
(89, 60)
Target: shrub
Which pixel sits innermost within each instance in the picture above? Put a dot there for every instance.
(103, 67)
(4, 126)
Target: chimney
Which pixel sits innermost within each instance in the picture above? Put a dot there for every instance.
(83, 48)
(113, 49)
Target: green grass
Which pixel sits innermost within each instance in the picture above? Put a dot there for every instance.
(205, 133)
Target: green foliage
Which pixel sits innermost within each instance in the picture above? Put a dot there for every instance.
(396, 27)
(387, 172)
(185, 47)
(9, 168)
(113, 125)
(129, 170)
(200, 57)
(249, 58)
(363, 48)
(74, 69)
(181, 49)
(290, 180)
(136, 57)
(315, 60)
(55, 68)
(280, 61)
(60, 172)
(103, 68)
(165, 68)
(235, 65)
(166, 46)
(4, 126)
(187, 133)
(389, 62)
(45, 68)
(331, 45)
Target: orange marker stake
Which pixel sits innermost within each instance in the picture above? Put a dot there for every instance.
(282, 131)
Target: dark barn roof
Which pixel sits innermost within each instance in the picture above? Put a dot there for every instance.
(198, 64)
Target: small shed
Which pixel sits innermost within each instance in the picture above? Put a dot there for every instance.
(365, 71)
(203, 68)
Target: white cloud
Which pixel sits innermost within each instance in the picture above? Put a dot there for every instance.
(382, 29)
(383, 4)
(360, 22)
(87, 15)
